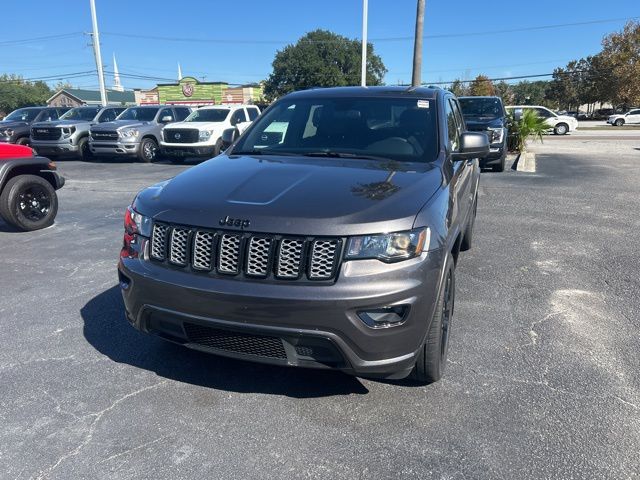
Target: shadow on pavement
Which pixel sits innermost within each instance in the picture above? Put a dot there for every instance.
(107, 330)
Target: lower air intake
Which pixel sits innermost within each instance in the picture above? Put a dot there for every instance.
(243, 343)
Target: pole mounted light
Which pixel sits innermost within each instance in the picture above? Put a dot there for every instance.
(363, 70)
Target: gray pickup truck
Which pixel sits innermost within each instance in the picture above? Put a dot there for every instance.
(136, 132)
(69, 136)
(326, 236)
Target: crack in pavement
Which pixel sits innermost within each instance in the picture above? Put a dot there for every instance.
(91, 428)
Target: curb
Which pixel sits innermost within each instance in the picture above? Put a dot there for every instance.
(526, 162)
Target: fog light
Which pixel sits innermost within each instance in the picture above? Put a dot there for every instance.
(384, 317)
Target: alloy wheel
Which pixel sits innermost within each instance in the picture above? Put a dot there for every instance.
(34, 203)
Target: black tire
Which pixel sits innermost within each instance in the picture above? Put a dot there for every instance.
(500, 166)
(23, 141)
(561, 129)
(432, 357)
(28, 202)
(84, 152)
(467, 240)
(176, 160)
(619, 122)
(218, 148)
(148, 150)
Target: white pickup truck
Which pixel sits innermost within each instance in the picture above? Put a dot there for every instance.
(200, 134)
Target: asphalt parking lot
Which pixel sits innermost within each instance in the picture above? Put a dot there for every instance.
(543, 378)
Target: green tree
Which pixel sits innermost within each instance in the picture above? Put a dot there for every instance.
(529, 93)
(458, 88)
(482, 86)
(504, 91)
(621, 54)
(15, 92)
(321, 59)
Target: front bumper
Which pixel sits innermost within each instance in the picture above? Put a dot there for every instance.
(187, 150)
(316, 325)
(115, 147)
(55, 148)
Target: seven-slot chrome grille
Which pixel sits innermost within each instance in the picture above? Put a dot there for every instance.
(252, 255)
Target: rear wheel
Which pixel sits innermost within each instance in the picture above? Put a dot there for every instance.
(148, 150)
(561, 129)
(28, 202)
(432, 357)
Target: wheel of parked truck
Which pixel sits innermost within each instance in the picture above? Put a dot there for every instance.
(23, 141)
(28, 202)
(176, 160)
(432, 356)
(467, 239)
(619, 122)
(500, 166)
(561, 129)
(148, 150)
(218, 148)
(84, 151)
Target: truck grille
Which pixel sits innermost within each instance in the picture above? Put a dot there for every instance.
(237, 254)
(46, 133)
(181, 135)
(104, 135)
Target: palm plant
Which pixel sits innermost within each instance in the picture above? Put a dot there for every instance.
(530, 125)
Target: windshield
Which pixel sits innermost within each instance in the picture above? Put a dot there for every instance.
(23, 115)
(481, 107)
(208, 115)
(145, 114)
(80, 114)
(400, 129)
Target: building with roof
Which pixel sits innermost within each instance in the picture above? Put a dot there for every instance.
(76, 97)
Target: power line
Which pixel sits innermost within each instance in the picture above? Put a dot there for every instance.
(25, 41)
(380, 39)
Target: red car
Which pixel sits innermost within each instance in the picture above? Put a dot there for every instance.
(28, 185)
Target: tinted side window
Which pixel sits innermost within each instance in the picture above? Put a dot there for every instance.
(182, 113)
(238, 117)
(108, 115)
(458, 114)
(543, 113)
(453, 127)
(634, 112)
(165, 112)
(253, 113)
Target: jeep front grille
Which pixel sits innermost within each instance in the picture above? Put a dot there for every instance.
(250, 255)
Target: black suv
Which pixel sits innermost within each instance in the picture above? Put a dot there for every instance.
(487, 114)
(16, 127)
(326, 236)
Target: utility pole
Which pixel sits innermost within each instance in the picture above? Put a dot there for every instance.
(417, 46)
(96, 52)
(365, 15)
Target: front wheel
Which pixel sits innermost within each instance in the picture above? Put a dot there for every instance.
(23, 141)
(619, 122)
(28, 202)
(432, 356)
(561, 129)
(148, 150)
(84, 151)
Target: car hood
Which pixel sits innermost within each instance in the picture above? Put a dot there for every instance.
(116, 124)
(293, 195)
(197, 125)
(4, 125)
(58, 123)
(479, 123)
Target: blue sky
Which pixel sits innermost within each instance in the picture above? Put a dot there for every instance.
(266, 26)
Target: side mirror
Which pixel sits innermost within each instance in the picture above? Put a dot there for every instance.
(167, 119)
(229, 136)
(517, 114)
(472, 145)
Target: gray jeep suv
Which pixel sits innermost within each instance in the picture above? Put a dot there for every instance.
(326, 236)
(136, 132)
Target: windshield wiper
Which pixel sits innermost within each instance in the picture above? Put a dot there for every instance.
(333, 154)
(265, 152)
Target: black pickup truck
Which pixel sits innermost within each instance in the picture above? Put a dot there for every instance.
(16, 127)
(487, 114)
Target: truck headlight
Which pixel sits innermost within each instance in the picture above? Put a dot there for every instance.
(68, 131)
(496, 135)
(130, 133)
(7, 132)
(205, 135)
(389, 247)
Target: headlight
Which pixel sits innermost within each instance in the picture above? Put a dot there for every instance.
(136, 223)
(496, 135)
(6, 133)
(389, 247)
(68, 131)
(131, 133)
(204, 135)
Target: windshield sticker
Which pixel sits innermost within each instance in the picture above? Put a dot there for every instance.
(423, 103)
